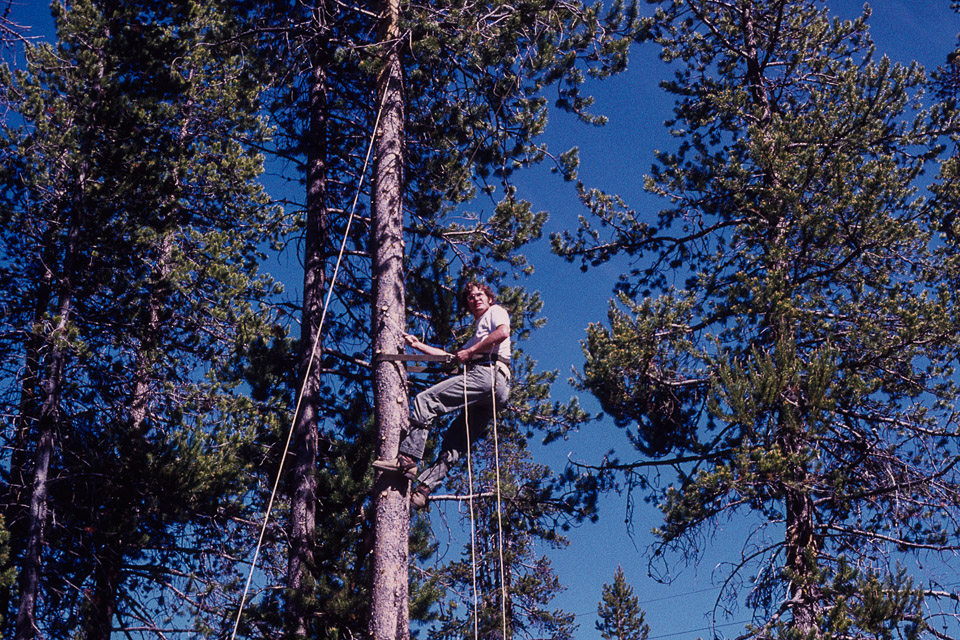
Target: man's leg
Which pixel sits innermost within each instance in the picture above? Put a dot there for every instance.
(454, 444)
(442, 398)
(436, 401)
(480, 413)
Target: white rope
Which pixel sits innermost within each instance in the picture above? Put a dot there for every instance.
(496, 462)
(306, 377)
(473, 524)
(473, 527)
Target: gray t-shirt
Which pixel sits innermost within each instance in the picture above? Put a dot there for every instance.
(494, 317)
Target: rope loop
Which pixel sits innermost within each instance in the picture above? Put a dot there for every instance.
(473, 526)
(496, 461)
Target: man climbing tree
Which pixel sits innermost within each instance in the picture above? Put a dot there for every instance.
(484, 386)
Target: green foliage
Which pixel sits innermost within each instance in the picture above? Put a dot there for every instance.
(8, 573)
(641, 385)
(876, 604)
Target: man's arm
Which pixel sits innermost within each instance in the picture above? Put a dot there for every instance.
(415, 342)
(489, 341)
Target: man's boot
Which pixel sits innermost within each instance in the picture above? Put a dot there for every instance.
(420, 497)
(403, 464)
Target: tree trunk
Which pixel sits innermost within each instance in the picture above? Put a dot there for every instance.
(389, 606)
(801, 544)
(37, 514)
(47, 425)
(15, 509)
(303, 500)
(98, 622)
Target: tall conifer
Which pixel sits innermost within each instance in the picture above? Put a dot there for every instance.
(787, 340)
(619, 612)
(474, 77)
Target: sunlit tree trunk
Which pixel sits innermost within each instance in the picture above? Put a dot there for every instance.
(389, 608)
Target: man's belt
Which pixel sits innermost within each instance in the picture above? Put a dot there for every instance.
(492, 358)
(416, 357)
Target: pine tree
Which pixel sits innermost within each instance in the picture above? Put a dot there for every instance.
(132, 229)
(801, 371)
(619, 613)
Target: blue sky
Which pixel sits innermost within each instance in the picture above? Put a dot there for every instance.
(614, 158)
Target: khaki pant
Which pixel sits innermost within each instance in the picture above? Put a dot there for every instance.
(446, 397)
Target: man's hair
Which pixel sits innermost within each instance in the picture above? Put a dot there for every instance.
(474, 284)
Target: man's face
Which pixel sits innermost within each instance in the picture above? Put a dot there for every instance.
(478, 301)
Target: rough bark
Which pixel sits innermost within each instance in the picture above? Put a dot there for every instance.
(37, 515)
(389, 606)
(801, 543)
(16, 513)
(801, 554)
(303, 516)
